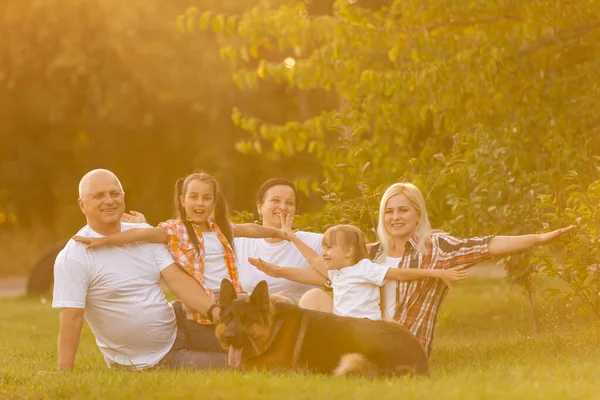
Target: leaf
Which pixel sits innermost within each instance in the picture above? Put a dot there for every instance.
(571, 188)
(440, 157)
(260, 70)
(393, 54)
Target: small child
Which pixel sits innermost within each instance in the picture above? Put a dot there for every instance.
(201, 244)
(355, 280)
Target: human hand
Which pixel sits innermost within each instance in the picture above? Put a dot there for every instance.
(266, 267)
(287, 221)
(547, 237)
(134, 218)
(216, 315)
(90, 243)
(452, 274)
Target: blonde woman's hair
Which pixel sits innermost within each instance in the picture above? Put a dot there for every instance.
(413, 194)
(347, 236)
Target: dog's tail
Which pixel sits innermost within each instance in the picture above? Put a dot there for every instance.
(355, 364)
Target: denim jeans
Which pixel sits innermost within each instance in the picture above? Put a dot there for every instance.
(198, 337)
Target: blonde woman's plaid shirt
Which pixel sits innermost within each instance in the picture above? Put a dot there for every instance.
(418, 302)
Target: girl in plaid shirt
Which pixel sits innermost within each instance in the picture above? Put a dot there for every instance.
(200, 239)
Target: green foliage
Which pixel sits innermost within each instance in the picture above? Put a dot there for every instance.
(577, 264)
(482, 105)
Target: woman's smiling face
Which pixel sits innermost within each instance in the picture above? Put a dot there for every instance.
(279, 200)
(401, 218)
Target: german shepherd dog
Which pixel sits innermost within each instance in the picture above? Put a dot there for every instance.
(259, 333)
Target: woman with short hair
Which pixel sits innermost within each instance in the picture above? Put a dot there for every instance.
(276, 200)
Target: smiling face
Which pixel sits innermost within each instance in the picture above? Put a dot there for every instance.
(343, 246)
(400, 217)
(278, 200)
(198, 200)
(337, 256)
(102, 201)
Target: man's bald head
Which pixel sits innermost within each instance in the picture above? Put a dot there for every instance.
(102, 201)
(87, 182)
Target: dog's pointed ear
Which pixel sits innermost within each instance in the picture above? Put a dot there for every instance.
(260, 296)
(227, 294)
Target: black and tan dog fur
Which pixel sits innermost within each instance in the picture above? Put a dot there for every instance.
(282, 336)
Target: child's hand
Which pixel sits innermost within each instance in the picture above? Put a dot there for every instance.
(134, 218)
(90, 243)
(286, 226)
(453, 274)
(279, 297)
(267, 268)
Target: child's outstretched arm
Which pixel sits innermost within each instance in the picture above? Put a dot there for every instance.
(258, 231)
(410, 274)
(308, 276)
(152, 235)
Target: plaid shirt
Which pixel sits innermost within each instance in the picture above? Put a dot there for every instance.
(418, 301)
(182, 249)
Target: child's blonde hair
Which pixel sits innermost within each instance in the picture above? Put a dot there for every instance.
(347, 236)
(413, 194)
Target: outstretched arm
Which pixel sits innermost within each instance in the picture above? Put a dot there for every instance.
(152, 235)
(258, 231)
(502, 245)
(308, 276)
(410, 274)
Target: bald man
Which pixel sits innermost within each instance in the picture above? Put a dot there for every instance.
(117, 290)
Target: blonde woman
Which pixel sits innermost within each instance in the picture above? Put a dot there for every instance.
(407, 241)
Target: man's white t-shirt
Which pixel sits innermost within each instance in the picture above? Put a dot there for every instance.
(356, 289)
(389, 291)
(119, 290)
(284, 254)
(215, 268)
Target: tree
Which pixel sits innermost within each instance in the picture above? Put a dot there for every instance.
(484, 106)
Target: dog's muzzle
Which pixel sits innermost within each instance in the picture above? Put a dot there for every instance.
(229, 338)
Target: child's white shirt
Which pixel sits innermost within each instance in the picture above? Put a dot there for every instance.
(356, 290)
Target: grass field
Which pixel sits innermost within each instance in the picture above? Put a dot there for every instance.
(484, 350)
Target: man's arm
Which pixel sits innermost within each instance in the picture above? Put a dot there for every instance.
(69, 332)
(71, 280)
(188, 290)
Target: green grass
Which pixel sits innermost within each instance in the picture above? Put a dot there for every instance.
(484, 350)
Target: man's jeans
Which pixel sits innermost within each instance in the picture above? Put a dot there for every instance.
(198, 337)
(181, 357)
